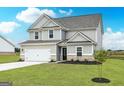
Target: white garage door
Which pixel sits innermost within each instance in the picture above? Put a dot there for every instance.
(37, 55)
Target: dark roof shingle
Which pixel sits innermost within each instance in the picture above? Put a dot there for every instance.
(39, 41)
(83, 21)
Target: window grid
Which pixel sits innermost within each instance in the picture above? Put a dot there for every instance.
(36, 35)
(79, 51)
(50, 33)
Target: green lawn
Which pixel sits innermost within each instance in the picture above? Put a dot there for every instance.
(65, 74)
(9, 58)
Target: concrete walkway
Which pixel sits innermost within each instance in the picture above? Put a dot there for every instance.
(14, 65)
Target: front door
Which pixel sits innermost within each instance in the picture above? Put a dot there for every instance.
(64, 52)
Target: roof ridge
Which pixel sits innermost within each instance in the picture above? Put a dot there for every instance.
(78, 16)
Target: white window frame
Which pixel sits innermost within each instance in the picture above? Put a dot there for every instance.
(60, 34)
(76, 50)
(35, 35)
(49, 33)
(82, 50)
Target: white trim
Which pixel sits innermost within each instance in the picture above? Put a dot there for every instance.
(48, 34)
(82, 51)
(38, 35)
(41, 17)
(22, 54)
(41, 38)
(72, 37)
(76, 49)
(38, 20)
(77, 34)
(51, 20)
(60, 34)
(45, 44)
(71, 54)
(86, 54)
(92, 50)
(46, 23)
(53, 54)
(96, 34)
(33, 35)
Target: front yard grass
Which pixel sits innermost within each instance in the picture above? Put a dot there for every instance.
(65, 74)
(9, 58)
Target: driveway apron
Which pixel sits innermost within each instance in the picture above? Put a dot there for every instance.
(14, 65)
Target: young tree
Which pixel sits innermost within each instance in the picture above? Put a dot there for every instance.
(100, 56)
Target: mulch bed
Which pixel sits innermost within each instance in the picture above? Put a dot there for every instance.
(81, 62)
(101, 80)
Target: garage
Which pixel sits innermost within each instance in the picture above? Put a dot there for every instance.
(36, 55)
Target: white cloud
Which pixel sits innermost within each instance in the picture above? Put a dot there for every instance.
(67, 13)
(113, 40)
(31, 14)
(7, 27)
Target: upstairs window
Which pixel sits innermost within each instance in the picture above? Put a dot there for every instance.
(79, 51)
(50, 33)
(36, 35)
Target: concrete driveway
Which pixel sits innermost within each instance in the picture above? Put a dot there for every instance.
(14, 65)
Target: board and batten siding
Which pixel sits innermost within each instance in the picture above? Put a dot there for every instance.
(5, 46)
(41, 22)
(79, 38)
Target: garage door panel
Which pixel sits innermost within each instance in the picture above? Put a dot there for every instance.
(37, 55)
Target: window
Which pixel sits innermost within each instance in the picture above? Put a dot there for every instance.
(50, 33)
(22, 49)
(79, 51)
(36, 35)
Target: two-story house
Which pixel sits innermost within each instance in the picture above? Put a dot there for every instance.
(66, 38)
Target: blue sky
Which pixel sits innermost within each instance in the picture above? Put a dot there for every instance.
(16, 20)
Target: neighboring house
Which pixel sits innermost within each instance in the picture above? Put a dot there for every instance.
(64, 38)
(6, 47)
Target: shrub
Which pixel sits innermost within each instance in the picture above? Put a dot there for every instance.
(17, 50)
(86, 60)
(52, 60)
(72, 60)
(77, 60)
(20, 59)
(100, 55)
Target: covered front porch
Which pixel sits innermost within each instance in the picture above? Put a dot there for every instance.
(75, 51)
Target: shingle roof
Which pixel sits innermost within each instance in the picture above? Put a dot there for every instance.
(83, 21)
(39, 41)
